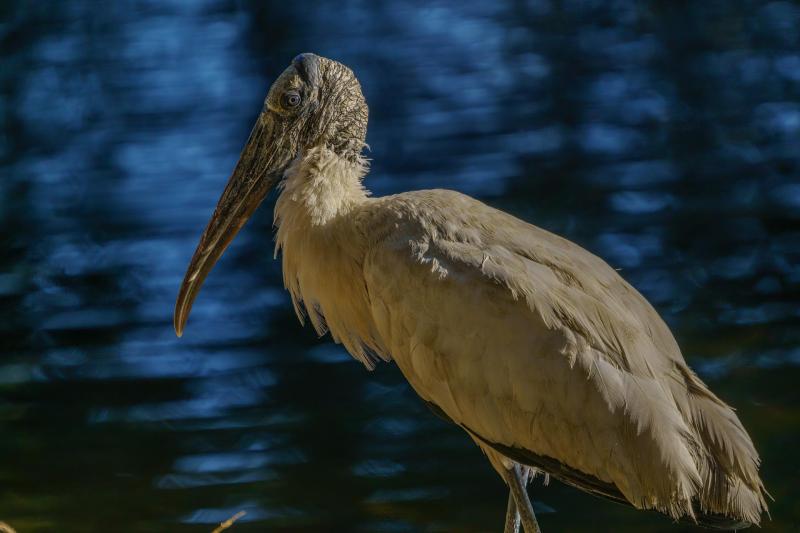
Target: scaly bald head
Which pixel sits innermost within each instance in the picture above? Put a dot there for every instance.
(319, 102)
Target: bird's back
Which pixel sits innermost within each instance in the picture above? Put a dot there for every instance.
(533, 344)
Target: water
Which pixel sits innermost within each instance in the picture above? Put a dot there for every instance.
(662, 136)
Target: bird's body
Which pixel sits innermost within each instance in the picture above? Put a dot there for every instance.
(536, 347)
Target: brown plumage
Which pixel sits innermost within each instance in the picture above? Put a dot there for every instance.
(536, 347)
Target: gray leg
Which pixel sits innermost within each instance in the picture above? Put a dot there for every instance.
(516, 483)
(512, 516)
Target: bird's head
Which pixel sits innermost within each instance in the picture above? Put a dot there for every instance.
(315, 102)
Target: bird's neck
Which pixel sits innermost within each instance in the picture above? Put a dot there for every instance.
(320, 187)
(323, 248)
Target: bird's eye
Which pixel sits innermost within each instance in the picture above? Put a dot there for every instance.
(291, 99)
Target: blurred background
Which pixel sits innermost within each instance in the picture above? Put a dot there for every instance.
(662, 135)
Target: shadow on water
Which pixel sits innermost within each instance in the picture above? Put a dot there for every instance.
(662, 136)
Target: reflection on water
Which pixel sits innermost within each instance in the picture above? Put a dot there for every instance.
(662, 137)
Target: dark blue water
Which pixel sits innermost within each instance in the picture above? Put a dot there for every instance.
(663, 136)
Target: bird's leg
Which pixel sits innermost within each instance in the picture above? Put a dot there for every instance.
(516, 483)
(512, 515)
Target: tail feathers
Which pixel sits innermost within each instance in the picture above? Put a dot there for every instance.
(729, 464)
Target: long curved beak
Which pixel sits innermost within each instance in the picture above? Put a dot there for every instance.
(256, 173)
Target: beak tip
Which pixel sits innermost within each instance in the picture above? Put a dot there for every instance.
(178, 328)
(178, 324)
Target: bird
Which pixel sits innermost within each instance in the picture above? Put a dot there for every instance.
(539, 350)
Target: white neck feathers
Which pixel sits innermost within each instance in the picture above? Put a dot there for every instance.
(323, 249)
(321, 186)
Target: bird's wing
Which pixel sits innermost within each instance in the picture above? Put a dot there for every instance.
(533, 343)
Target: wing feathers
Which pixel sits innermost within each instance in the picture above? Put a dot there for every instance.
(677, 447)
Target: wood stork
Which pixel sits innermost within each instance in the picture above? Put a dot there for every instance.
(539, 350)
